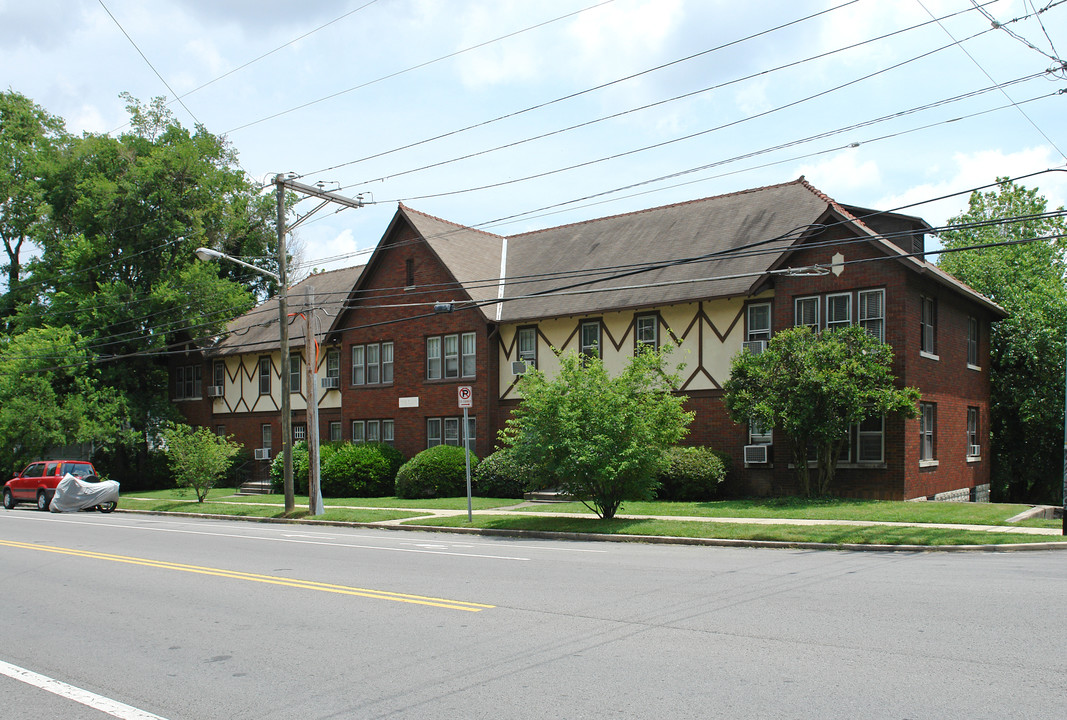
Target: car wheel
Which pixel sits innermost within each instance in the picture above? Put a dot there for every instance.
(9, 501)
(106, 507)
(42, 501)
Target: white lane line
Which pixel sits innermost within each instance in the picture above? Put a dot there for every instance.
(241, 536)
(97, 702)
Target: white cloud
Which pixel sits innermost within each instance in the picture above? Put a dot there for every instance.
(843, 174)
(979, 168)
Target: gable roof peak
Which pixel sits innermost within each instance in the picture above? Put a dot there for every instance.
(412, 211)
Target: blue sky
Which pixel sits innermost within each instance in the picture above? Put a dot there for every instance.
(294, 96)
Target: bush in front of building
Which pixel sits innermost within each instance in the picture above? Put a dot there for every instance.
(500, 475)
(440, 471)
(692, 474)
(300, 470)
(359, 470)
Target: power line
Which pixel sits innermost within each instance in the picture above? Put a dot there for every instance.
(416, 67)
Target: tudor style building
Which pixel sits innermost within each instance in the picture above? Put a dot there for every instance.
(709, 277)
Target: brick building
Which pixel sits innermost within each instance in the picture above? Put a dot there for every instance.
(708, 276)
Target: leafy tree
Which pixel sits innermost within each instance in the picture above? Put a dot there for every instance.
(198, 457)
(49, 397)
(815, 387)
(1027, 348)
(603, 438)
(29, 138)
(124, 216)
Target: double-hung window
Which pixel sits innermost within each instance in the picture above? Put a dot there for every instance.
(759, 322)
(870, 440)
(335, 431)
(974, 446)
(838, 311)
(590, 338)
(927, 429)
(219, 374)
(294, 372)
(372, 431)
(372, 364)
(928, 326)
(528, 346)
(187, 382)
(333, 363)
(806, 312)
(264, 376)
(872, 312)
(646, 332)
(972, 342)
(451, 356)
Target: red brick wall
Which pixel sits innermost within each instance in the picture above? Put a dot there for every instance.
(373, 320)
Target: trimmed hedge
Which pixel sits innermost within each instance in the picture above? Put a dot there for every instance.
(345, 469)
(440, 471)
(500, 476)
(692, 474)
(360, 470)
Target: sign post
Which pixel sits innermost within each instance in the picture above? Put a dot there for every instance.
(466, 400)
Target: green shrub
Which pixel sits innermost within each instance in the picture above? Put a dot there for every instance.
(440, 471)
(360, 470)
(501, 476)
(300, 469)
(692, 474)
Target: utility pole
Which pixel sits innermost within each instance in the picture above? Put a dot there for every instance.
(312, 347)
(283, 334)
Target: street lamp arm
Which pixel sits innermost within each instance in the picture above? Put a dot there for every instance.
(207, 254)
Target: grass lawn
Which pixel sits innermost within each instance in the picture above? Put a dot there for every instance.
(258, 510)
(819, 509)
(227, 495)
(833, 534)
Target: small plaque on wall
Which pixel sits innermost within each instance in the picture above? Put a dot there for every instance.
(409, 402)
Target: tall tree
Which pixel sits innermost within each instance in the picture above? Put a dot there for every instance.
(29, 138)
(815, 387)
(1026, 278)
(117, 262)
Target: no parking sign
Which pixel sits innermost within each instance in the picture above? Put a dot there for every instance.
(466, 396)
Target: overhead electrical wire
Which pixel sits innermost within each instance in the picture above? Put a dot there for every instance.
(418, 66)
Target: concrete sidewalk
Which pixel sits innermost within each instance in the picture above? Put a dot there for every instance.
(517, 509)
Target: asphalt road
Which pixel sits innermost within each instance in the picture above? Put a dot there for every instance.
(202, 619)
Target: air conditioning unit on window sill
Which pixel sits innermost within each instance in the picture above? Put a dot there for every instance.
(519, 367)
(757, 454)
(331, 383)
(755, 346)
(214, 391)
(262, 453)
(974, 450)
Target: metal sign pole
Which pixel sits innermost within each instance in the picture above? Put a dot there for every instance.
(467, 454)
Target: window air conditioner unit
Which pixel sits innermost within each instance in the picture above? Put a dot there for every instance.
(757, 454)
(519, 367)
(331, 383)
(974, 450)
(755, 346)
(214, 391)
(262, 453)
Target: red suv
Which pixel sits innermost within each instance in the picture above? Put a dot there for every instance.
(37, 482)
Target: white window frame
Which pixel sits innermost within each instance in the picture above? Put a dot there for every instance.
(973, 439)
(526, 342)
(266, 436)
(862, 433)
(590, 347)
(927, 433)
(833, 321)
(333, 363)
(755, 329)
(813, 302)
(873, 321)
(468, 354)
(295, 376)
(646, 332)
(972, 343)
(446, 431)
(335, 431)
(928, 327)
(359, 431)
(265, 377)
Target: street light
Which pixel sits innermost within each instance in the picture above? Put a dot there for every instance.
(207, 254)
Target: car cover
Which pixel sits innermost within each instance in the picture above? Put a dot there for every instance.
(73, 494)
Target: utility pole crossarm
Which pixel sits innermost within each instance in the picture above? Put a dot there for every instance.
(320, 193)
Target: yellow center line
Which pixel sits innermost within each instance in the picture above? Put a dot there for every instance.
(252, 577)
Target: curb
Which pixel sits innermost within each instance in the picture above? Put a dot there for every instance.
(650, 539)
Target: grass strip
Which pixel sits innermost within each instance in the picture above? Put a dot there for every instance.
(831, 534)
(264, 511)
(227, 494)
(821, 509)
